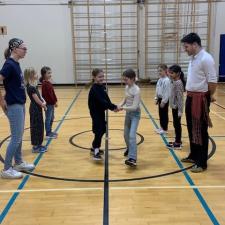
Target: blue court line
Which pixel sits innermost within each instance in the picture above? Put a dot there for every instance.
(25, 179)
(188, 178)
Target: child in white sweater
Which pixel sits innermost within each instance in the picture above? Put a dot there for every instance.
(162, 98)
(131, 104)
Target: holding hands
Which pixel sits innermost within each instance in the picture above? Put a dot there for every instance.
(119, 108)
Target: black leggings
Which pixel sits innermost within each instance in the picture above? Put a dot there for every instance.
(99, 129)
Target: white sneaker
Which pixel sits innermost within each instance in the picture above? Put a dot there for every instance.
(23, 166)
(11, 174)
(161, 131)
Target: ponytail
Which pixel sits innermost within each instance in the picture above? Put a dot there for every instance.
(7, 53)
(182, 79)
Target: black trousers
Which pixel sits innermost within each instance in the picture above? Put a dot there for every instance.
(199, 153)
(36, 124)
(99, 129)
(163, 115)
(177, 125)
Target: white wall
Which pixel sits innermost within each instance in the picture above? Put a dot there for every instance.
(46, 29)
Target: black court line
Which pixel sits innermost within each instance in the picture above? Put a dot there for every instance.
(106, 175)
(86, 131)
(212, 152)
(219, 105)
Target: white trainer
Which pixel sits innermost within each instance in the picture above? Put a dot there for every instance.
(23, 166)
(11, 174)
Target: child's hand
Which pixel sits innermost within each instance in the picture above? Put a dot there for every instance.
(43, 105)
(212, 98)
(162, 104)
(156, 101)
(179, 114)
(56, 105)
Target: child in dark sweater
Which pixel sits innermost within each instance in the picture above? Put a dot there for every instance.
(36, 116)
(98, 102)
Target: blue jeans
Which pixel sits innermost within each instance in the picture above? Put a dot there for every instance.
(16, 117)
(130, 128)
(49, 118)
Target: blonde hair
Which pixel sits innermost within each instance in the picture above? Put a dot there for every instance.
(28, 75)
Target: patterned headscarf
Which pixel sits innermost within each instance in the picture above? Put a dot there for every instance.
(15, 43)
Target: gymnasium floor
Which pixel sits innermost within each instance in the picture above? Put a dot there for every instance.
(79, 191)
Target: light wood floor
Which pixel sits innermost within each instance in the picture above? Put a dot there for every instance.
(181, 198)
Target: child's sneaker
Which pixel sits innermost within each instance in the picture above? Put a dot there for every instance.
(51, 135)
(23, 166)
(39, 149)
(161, 131)
(131, 162)
(97, 157)
(93, 151)
(174, 145)
(158, 130)
(11, 174)
(54, 133)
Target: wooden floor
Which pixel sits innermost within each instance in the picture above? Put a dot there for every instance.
(180, 198)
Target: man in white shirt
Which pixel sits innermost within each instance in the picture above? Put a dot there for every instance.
(201, 86)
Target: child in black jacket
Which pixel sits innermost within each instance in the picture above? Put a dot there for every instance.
(98, 102)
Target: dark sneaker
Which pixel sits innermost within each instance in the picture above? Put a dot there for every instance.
(39, 149)
(174, 145)
(187, 160)
(54, 133)
(131, 162)
(51, 136)
(197, 169)
(93, 151)
(97, 157)
(126, 152)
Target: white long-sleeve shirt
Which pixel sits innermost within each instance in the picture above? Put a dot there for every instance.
(201, 71)
(132, 98)
(163, 89)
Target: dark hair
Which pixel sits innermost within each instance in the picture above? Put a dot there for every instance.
(44, 70)
(177, 69)
(129, 73)
(162, 66)
(192, 38)
(96, 71)
(7, 53)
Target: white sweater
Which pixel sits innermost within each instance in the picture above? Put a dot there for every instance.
(132, 98)
(163, 89)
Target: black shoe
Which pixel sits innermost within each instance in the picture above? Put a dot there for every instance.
(126, 152)
(93, 151)
(174, 145)
(97, 157)
(131, 162)
(187, 160)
